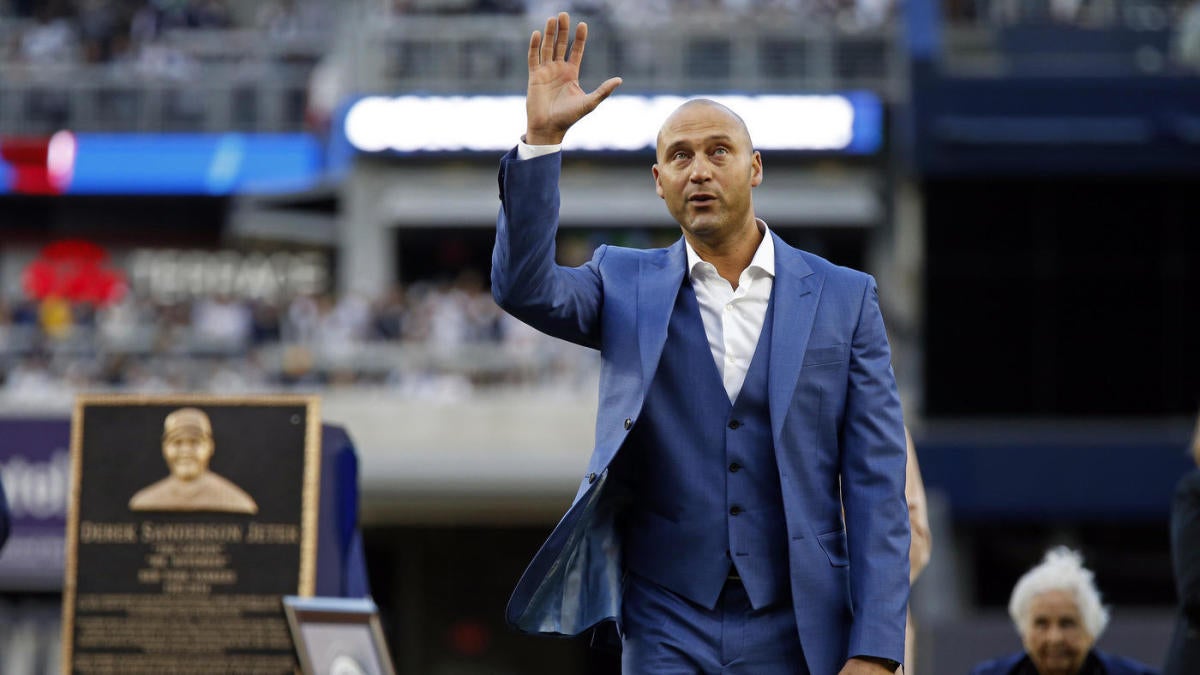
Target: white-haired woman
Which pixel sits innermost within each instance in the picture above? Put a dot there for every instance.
(1056, 609)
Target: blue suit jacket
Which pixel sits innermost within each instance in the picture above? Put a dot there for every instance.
(835, 418)
(1183, 655)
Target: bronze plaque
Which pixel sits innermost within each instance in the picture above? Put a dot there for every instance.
(190, 519)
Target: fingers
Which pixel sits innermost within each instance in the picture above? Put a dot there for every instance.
(535, 45)
(549, 36)
(580, 39)
(551, 44)
(561, 36)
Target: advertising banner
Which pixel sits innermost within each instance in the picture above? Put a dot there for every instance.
(35, 465)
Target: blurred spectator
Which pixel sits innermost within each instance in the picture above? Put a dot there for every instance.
(221, 324)
(98, 25)
(237, 377)
(31, 381)
(55, 318)
(1186, 40)
(1056, 609)
(280, 18)
(145, 26)
(156, 17)
(52, 39)
(7, 332)
(212, 14)
(449, 327)
(389, 313)
(327, 88)
(302, 319)
(123, 325)
(341, 326)
(266, 327)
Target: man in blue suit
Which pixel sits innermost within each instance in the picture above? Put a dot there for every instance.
(747, 410)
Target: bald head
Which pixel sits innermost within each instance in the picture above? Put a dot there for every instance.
(684, 114)
(705, 170)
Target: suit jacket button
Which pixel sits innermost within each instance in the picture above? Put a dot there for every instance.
(591, 478)
(628, 424)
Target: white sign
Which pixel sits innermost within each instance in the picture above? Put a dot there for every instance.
(628, 123)
(172, 275)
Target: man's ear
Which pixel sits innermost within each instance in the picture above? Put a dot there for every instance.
(658, 188)
(756, 170)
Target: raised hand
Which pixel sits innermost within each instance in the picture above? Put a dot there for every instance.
(554, 100)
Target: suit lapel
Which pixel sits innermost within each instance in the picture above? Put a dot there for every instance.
(659, 278)
(797, 290)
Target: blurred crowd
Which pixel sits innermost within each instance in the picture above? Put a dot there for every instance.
(66, 32)
(430, 339)
(640, 13)
(46, 32)
(1136, 14)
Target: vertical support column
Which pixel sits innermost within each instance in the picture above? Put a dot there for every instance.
(218, 107)
(896, 257)
(820, 62)
(366, 249)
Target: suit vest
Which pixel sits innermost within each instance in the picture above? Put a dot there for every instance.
(702, 473)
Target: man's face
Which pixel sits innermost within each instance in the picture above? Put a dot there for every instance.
(187, 454)
(706, 169)
(1056, 639)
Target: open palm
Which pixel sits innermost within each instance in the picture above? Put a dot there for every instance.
(554, 100)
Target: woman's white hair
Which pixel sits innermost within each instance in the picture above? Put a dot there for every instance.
(1061, 570)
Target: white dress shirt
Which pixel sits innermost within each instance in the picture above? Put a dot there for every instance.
(527, 151)
(733, 319)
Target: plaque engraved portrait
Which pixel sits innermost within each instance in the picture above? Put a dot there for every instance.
(180, 568)
(187, 446)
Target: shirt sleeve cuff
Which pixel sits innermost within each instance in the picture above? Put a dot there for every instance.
(527, 151)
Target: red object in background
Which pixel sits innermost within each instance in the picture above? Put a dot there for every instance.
(469, 637)
(41, 165)
(74, 270)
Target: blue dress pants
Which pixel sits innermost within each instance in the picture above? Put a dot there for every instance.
(666, 634)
